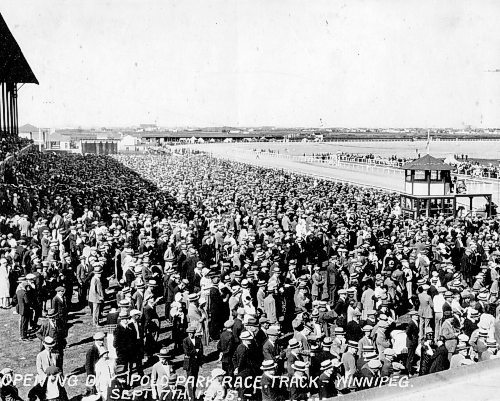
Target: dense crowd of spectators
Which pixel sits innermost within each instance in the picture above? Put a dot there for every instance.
(476, 169)
(290, 277)
(10, 145)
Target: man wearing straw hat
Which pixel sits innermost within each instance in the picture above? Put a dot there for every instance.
(326, 383)
(269, 382)
(161, 373)
(45, 359)
(299, 388)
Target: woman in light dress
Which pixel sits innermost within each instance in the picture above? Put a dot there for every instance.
(4, 284)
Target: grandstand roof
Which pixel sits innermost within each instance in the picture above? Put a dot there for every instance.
(427, 162)
(13, 65)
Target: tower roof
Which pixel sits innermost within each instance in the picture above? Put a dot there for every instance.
(427, 162)
(13, 65)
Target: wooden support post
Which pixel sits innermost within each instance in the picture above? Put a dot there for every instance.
(2, 117)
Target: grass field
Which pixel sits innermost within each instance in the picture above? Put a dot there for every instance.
(21, 356)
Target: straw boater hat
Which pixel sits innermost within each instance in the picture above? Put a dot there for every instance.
(268, 364)
(217, 372)
(325, 365)
(49, 342)
(163, 354)
(299, 366)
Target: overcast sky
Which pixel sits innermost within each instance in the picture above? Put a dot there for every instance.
(272, 62)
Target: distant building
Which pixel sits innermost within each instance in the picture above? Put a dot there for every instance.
(148, 127)
(130, 143)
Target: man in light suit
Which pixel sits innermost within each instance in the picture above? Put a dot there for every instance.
(45, 358)
(96, 295)
(425, 310)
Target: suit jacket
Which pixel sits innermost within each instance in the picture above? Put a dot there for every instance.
(91, 359)
(271, 390)
(270, 350)
(299, 389)
(96, 293)
(412, 333)
(47, 330)
(123, 343)
(43, 361)
(243, 360)
(192, 359)
(60, 308)
(137, 344)
(326, 386)
(226, 346)
(426, 307)
(23, 303)
(450, 335)
(237, 329)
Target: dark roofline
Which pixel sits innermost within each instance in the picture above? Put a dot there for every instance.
(427, 162)
(199, 134)
(13, 65)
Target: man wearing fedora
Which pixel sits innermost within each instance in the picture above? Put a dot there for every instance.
(137, 346)
(227, 347)
(23, 307)
(94, 352)
(193, 359)
(60, 307)
(244, 361)
(96, 295)
(123, 340)
(50, 328)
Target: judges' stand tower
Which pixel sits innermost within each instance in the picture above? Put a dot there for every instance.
(430, 191)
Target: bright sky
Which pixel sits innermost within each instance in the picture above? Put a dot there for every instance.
(355, 63)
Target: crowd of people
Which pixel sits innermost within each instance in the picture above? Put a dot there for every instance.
(10, 144)
(476, 169)
(392, 161)
(304, 287)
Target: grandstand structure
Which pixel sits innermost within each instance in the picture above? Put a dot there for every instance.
(14, 72)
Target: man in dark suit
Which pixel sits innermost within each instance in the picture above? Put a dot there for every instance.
(270, 384)
(93, 353)
(412, 334)
(23, 308)
(60, 307)
(272, 351)
(244, 363)
(50, 328)
(326, 382)
(83, 276)
(137, 347)
(123, 340)
(193, 359)
(227, 346)
(238, 325)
